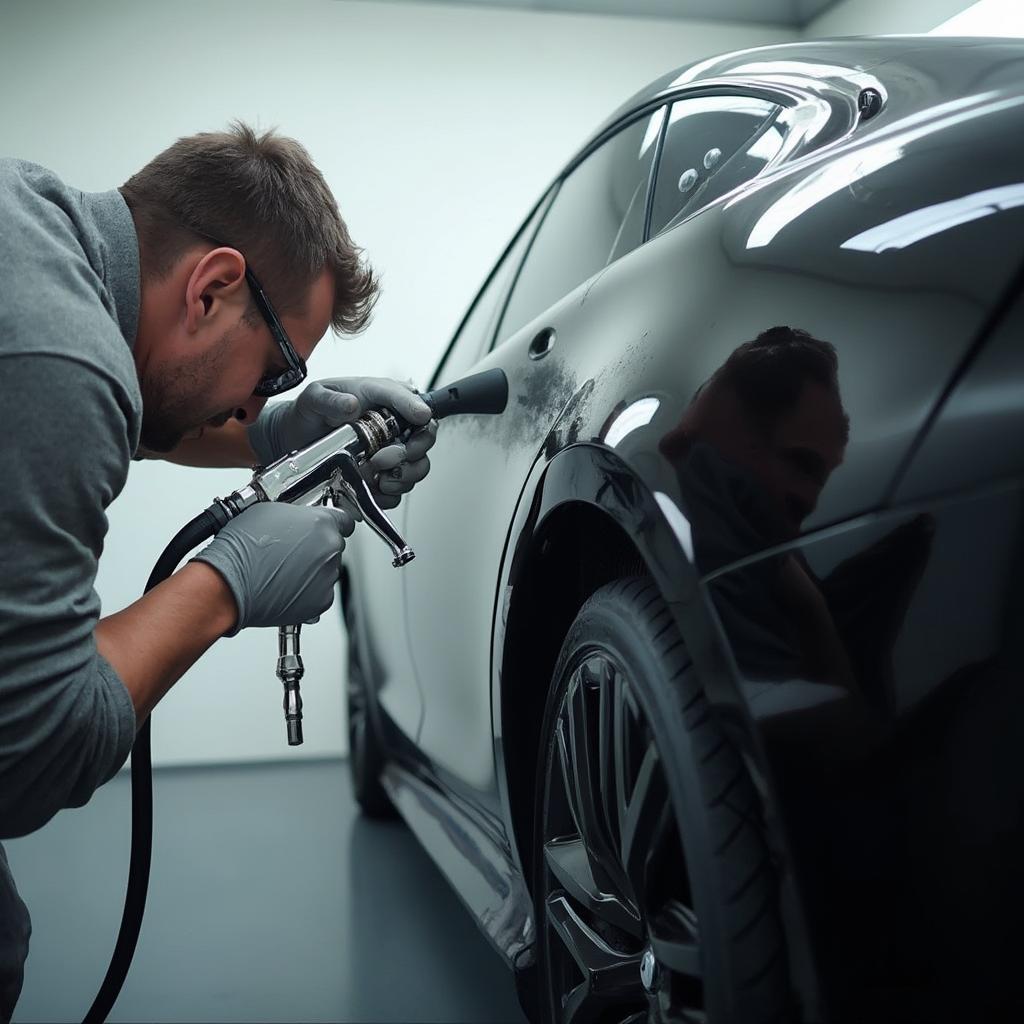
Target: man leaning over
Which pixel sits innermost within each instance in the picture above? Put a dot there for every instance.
(132, 325)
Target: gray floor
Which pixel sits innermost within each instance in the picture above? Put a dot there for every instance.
(270, 900)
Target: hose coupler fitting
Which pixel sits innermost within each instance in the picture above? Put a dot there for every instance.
(289, 671)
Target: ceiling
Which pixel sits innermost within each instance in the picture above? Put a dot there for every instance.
(794, 14)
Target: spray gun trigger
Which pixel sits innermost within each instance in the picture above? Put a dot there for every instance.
(342, 496)
(373, 515)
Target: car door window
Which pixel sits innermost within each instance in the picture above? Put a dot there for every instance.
(596, 216)
(712, 144)
(473, 337)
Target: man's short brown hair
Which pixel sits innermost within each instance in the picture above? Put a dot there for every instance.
(262, 195)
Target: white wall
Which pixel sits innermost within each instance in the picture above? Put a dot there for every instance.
(882, 17)
(986, 18)
(436, 127)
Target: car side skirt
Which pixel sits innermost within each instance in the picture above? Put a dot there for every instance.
(483, 875)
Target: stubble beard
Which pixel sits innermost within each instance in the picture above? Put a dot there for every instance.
(173, 400)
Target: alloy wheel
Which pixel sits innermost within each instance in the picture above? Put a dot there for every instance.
(621, 938)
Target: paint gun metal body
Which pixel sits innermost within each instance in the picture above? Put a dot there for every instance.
(329, 470)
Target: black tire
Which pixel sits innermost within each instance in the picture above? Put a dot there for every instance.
(659, 851)
(365, 752)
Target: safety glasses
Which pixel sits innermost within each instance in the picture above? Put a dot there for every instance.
(295, 366)
(295, 371)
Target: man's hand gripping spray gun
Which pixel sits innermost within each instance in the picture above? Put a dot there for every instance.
(329, 470)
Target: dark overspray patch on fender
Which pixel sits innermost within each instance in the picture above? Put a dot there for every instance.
(578, 405)
(544, 390)
(541, 394)
(536, 399)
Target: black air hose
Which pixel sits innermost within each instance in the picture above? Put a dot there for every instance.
(191, 535)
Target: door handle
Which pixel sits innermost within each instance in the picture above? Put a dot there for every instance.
(542, 343)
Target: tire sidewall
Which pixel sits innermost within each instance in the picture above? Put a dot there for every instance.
(608, 626)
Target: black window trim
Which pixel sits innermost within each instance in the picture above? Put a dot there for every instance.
(842, 123)
(549, 197)
(652, 178)
(737, 90)
(844, 120)
(770, 120)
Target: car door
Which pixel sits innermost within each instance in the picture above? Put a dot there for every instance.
(381, 588)
(461, 520)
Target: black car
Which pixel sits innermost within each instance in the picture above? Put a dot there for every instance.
(703, 691)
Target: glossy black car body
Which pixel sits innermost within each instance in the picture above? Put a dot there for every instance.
(852, 603)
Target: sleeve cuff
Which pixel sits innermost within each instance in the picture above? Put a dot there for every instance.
(124, 711)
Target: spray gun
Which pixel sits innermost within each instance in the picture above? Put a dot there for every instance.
(328, 470)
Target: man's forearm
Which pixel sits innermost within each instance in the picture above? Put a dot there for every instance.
(216, 447)
(151, 643)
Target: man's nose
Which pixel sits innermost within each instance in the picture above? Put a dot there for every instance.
(248, 412)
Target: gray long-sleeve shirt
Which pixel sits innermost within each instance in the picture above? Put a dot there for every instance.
(70, 415)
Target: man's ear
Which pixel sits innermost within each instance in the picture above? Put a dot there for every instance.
(216, 289)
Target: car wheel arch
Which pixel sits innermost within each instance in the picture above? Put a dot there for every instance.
(578, 498)
(584, 501)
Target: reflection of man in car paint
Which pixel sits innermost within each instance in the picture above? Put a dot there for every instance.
(866, 782)
(753, 452)
(773, 413)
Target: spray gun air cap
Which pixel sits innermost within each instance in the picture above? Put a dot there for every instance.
(482, 393)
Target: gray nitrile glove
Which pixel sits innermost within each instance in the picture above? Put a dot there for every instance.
(283, 427)
(280, 561)
(398, 468)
